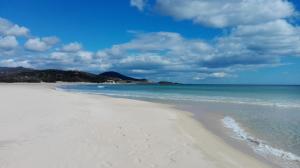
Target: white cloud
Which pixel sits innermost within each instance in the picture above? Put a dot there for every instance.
(63, 57)
(52, 40)
(8, 42)
(166, 43)
(276, 38)
(72, 47)
(85, 55)
(144, 61)
(101, 54)
(219, 74)
(169, 52)
(254, 39)
(160, 51)
(9, 28)
(220, 13)
(214, 75)
(80, 57)
(40, 45)
(139, 4)
(15, 63)
(274, 28)
(58, 55)
(142, 71)
(36, 44)
(40, 51)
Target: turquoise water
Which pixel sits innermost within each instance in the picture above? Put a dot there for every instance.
(266, 117)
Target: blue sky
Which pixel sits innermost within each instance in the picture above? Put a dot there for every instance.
(191, 41)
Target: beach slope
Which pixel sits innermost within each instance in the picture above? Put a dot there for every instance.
(44, 127)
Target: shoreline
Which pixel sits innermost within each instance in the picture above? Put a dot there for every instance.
(191, 144)
(212, 122)
(224, 134)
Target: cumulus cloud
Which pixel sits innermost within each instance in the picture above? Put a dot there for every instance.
(166, 43)
(58, 55)
(9, 28)
(15, 63)
(85, 55)
(40, 51)
(157, 52)
(256, 36)
(80, 58)
(139, 4)
(8, 42)
(169, 52)
(215, 75)
(254, 39)
(40, 44)
(256, 44)
(72, 47)
(220, 13)
(52, 40)
(36, 44)
(273, 38)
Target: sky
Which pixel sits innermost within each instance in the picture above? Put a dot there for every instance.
(188, 41)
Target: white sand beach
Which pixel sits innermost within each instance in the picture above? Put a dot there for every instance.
(45, 128)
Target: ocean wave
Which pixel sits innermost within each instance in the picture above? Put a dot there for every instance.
(217, 99)
(258, 145)
(250, 101)
(192, 98)
(186, 97)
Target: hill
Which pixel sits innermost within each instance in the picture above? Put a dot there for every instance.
(20, 74)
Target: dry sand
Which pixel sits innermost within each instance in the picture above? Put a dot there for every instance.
(44, 128)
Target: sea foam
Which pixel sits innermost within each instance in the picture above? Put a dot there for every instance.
(258, 145)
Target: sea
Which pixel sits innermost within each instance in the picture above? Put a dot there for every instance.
(266, 118)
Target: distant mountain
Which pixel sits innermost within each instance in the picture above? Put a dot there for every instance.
(20, 74)
(116, 76)
(8, 70)
(167, 83)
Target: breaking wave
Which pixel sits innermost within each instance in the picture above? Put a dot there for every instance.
(258, 145)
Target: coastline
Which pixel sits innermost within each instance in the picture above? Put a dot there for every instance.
(104, 131)
(213, 123)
